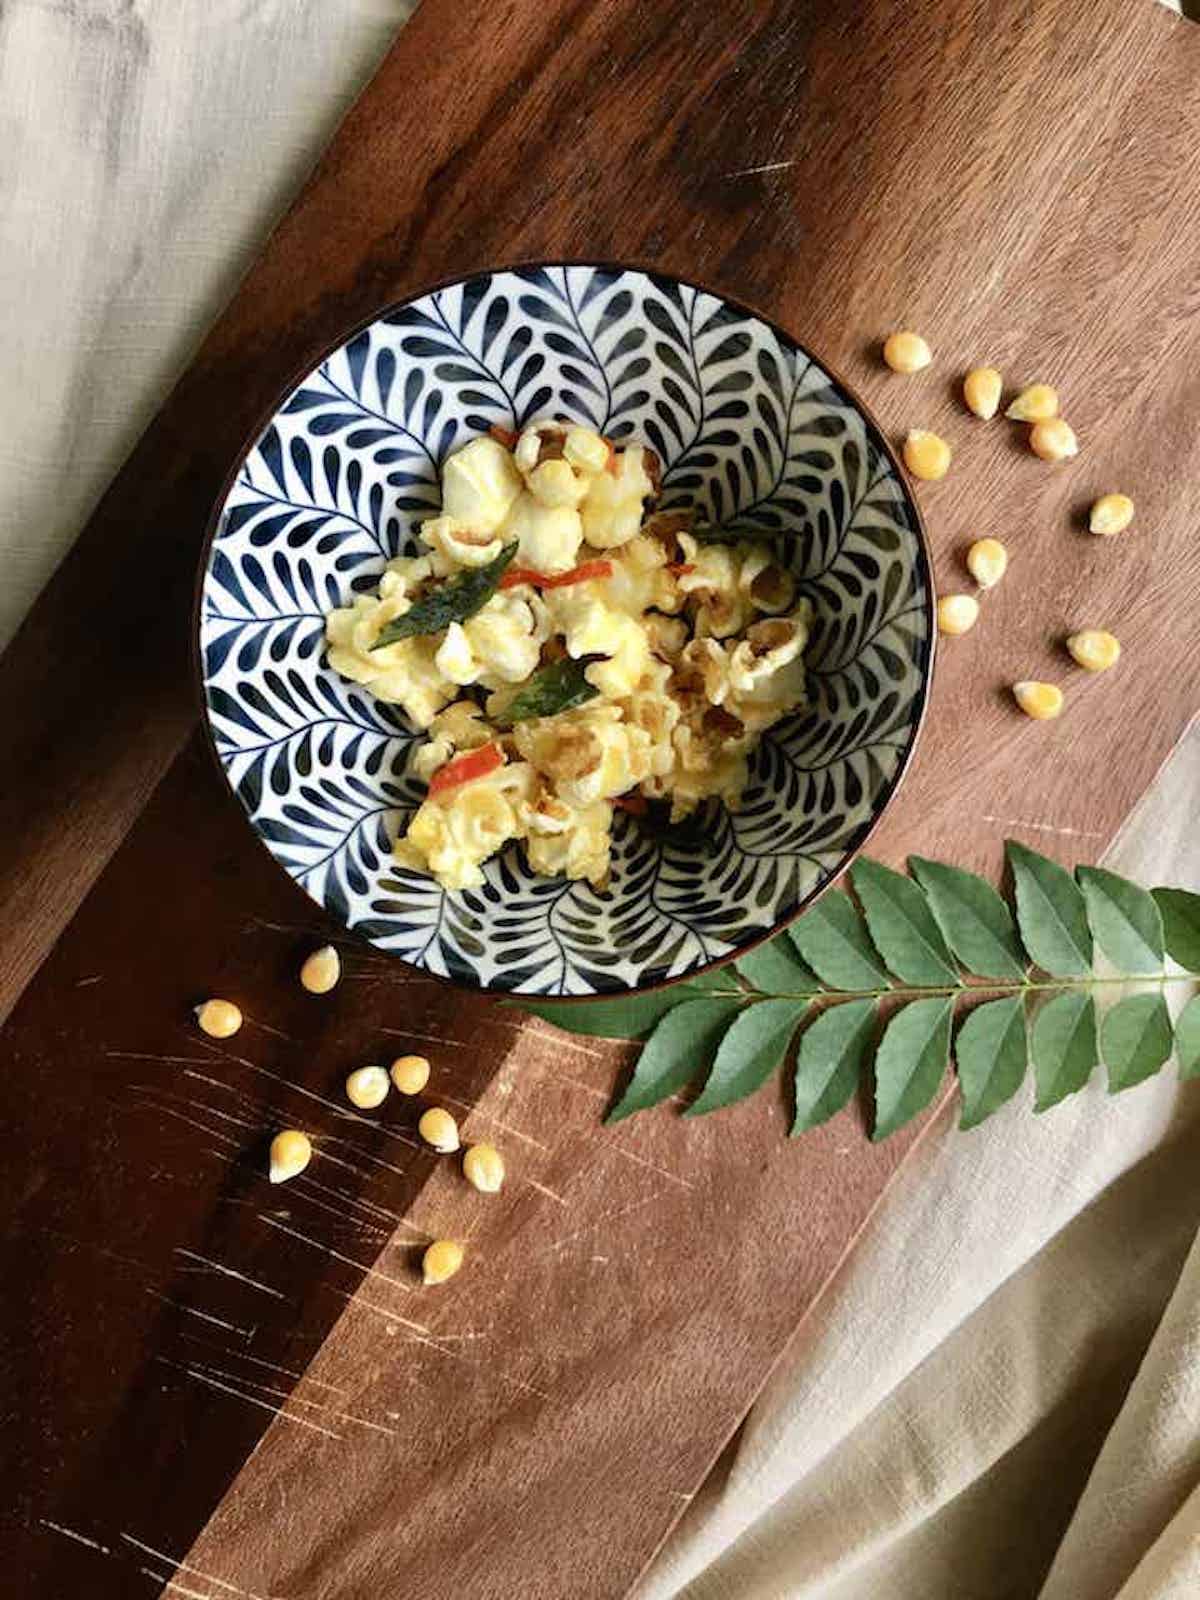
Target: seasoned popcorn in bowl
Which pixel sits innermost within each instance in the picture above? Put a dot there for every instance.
(569, 650)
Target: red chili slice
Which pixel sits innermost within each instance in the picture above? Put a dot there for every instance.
(466, 768)
(583, 573)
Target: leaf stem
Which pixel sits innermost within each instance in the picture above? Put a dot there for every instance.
(960, 989)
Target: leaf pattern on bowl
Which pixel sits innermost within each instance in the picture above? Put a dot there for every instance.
(751, 430)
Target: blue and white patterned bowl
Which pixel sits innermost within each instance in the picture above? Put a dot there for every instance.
(750, 428)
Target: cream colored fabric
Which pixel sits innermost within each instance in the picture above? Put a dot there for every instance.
(1018, 1327)
(146, 147)
(999, 1395)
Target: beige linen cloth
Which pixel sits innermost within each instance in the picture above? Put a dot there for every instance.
(999, 1395)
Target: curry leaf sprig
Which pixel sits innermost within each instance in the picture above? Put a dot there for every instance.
(869, 987)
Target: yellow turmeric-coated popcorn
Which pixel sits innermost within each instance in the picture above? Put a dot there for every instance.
(570, 651)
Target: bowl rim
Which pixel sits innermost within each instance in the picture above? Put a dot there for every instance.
(351, 331)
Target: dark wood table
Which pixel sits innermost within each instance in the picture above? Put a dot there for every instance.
(199, 1369)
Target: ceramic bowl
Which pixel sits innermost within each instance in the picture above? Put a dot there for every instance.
(751, 428)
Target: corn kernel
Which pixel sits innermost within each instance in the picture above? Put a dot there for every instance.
(1094, 650)
(410, 1074)
(1037, 403)
(441, 1261)
(1053, 440)
(483, 1168)
(957, 613)
(586, 450)
(291, 1151)
(220, 1019)
(1041, 701)
(438, 1128)
(981, 391)
(1112, 513)
(906, 352)
(367, 1087)
(987, 562)
(321, 971)
(926, 456)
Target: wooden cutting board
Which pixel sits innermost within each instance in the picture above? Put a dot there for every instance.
(249, 1381)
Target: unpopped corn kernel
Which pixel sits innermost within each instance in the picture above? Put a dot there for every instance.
(220, 1019)
(905, 351)
(926, 455)
(441, 1261)
(291, 1151)
(321, 971)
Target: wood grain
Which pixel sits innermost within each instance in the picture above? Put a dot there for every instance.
(1020, 191)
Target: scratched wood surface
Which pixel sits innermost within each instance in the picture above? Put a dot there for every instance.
(200, 1369)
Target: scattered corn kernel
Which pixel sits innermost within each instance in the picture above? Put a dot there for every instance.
(321, 971)
(220, 1019)
(957, 613)
(926, 455)
(483, 1168)
(441, 1261)
(438, 1128)
(987, 562)
(367, 1087)
(906, 352)
(1041, 701)
(1053, 440)
(410, 1074)
(291, 1151)
(1094, 649)
(1037, 403)
(981, 390)
(1112, 513)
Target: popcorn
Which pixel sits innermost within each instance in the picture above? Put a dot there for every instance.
(458, 545)
(569, 841)
(548, 537)
(452, 836)
(693, 649)
(612, 510)
(479, 485)
(404, 673)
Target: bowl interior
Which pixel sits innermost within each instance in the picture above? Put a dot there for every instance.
(750, 428)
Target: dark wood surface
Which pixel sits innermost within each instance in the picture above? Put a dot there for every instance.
(1013, 179)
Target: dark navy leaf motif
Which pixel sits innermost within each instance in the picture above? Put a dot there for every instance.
(751, 430)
